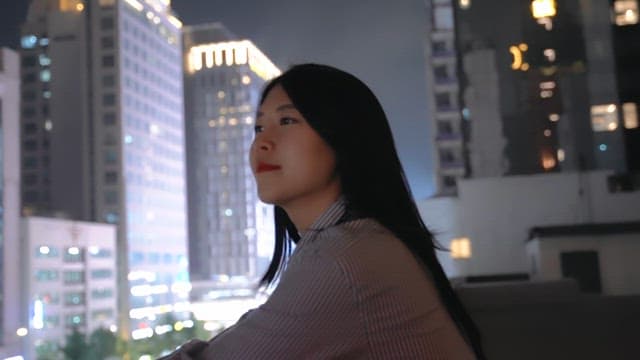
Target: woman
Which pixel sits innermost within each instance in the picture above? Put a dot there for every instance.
(363, 281)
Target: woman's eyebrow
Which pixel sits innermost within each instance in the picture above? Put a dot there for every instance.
(279, 108)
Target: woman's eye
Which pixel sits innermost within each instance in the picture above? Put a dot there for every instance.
(257, 128)
(287, 121)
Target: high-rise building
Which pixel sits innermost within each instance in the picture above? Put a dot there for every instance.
(228, 225)
(550, 87)
(68, 280)
(102, 119)
(10, 320)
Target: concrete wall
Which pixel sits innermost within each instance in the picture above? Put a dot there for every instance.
(528, 321)
(617, 255)
(497, 213)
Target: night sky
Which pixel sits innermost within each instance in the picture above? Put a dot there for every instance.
(380, 41)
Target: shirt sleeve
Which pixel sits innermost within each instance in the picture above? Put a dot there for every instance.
(299, 319)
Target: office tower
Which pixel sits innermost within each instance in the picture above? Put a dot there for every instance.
(549, 87)
(228, 225)
(68, 280)
(10, 320)
(102, 118)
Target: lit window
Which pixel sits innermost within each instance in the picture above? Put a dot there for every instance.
(44, 60)
(548, 161)
(604, 117)
(561, 155)
(246, 79)
(45, 75)
(220, 94)
(630, 113)
(443, 17)
(28, 41)
(547, 133)
(543, 8)
(554, 117)
(465, 4)
(625, 12)
(233, 121)
(602, 147)
(461, 248)
(48, 125)
(550, 54)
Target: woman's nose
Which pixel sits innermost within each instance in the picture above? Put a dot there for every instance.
(263, 143)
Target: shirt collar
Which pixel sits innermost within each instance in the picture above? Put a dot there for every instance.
(329, 217)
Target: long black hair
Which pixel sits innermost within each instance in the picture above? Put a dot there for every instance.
(348, 116)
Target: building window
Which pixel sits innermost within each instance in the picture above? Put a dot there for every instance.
(73, 254)
(30, 145)
(449, 181)
(625, 12)
(461, 248)
(101, 274)
(45, 75)
(111, 197)
(108, 61)
(106, 23)
(28, 41)
(30, 179)
(102, 293)
(111, 177)
(46, 275)
(100, 253)
(443, 101)
(74, 320)
(109, 118)
(107, 42)
(109, 99)
(630, 113)
(30, 162)
(108, 80)
(110, 156)
(29, 78)
(73, 277)
(29, 61)
(443, 17)
(74, 298)
(604, 117)
(102, 314)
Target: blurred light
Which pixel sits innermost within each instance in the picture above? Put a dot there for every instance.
(79, 6)
(547, 132)
(38, 315)
(548, 161)
(545, 94)
(543, 8)
(612, 126)
(188, 323)
(142, 334)
(603, 116)
(163, 329)
(46, 94)
(554, 117)
(17, 357)
(518, 57)
(220, 94)
(211, 326)
(73, 250)
(550, 54)
(630, 113)
(22, 332)
(611, 108)
(113, 328)
(94, 250)
(155, 130)
(547, 85)
(461, 248)
(142, 275)
(228, 212)
(246, 79)
(48, 125)
(44, 250)
(28, 41)
(465, 4)
(135, 4)
(128, 139)
(626, 12)
(175, 22)
(233, 121)
(561, 155)
(212, 123)
(603, 147)
(145, 357)
(248, 120)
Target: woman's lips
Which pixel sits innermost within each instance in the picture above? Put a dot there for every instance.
(262, 167)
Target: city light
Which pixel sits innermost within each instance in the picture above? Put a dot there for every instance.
(22, 332)
(461, 248)
(543, 8)
(517, 52)
(231, 53)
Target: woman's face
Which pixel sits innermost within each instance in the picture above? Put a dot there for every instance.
(292, 164)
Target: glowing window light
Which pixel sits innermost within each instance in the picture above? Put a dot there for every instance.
(461, 248)
(144, 333)
(604, 117)
(630, 113)
(554, 117)
(22, 332)
(175, 22)
(38, 315)
(626, 12)
(547, 85)
(233, 53)
(44, 250)
(248, 120)
(550, 54)
(48, 125)
(246, 79)
(603, 147)
(465, 4)
(74, 250)
(94, 250)
(163, 329)
(547, 133)
(548, 161)
(135, 4)
(545, 94)
(561, 155)
(543, 8)
(517, 52)
(233, 121)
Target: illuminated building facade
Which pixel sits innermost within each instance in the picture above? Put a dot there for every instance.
(549, 87)
(10, 319)
(103, 127)
(229, 228)
(68, 277)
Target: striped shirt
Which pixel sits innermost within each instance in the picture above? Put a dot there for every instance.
(351, 290)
